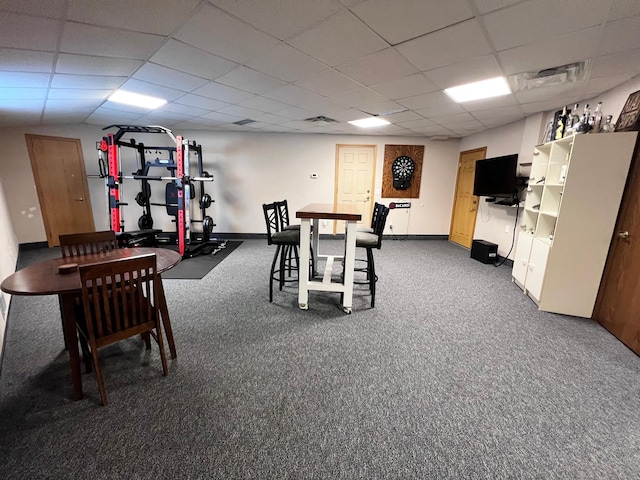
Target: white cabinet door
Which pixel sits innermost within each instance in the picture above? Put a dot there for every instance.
(521, 258)
(537, 265)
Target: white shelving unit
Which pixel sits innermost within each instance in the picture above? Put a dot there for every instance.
(573, 197)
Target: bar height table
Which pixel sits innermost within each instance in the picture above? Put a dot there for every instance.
(327, 211)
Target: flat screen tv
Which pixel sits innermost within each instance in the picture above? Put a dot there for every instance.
(496, 177)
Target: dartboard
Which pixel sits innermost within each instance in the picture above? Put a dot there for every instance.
(403, 167)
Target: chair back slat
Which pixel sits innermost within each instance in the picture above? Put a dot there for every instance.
(119, 295)
(381, 220)
(272, 219)
(283, 211)
(78, 244)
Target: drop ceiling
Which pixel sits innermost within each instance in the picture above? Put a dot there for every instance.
(280, 62)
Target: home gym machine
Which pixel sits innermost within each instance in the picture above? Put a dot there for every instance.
(178, 192)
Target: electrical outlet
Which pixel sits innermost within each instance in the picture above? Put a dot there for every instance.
(324, 223)
(506, 229)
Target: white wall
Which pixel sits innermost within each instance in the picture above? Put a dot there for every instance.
(8, 257)
(248, 168)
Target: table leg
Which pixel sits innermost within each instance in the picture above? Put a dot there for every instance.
(71, 339)
(305, 256)
(349, 265)
(166, 323)
(315, 242)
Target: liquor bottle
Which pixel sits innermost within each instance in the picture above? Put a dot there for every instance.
(558, 134)
(597, 118)
(572, 121)
(583, 126)
(608, 127)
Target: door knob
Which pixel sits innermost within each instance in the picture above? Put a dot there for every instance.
(623, 234)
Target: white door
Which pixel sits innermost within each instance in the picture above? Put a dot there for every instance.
(355, 175)
(537, 265)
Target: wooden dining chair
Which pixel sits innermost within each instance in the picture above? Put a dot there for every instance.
(120, 299)
(88, 243)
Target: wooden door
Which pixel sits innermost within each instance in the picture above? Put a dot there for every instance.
(465, 205)
(61, 182)
(618, 304)
(355, 173)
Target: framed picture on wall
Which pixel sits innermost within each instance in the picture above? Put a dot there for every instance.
(629, 119)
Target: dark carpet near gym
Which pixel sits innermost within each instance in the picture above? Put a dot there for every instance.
(197, 267)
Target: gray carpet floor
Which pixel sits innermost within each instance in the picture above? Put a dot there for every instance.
(454, 374)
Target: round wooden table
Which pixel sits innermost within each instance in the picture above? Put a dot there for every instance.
(43, 278)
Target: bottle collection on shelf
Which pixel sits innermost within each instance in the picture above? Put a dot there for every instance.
(569, 122)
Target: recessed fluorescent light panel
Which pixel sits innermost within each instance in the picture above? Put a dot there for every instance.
(369, 122)
(136, 99)
(493, 87)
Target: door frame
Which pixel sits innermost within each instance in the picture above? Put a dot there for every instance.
(44, 208)
(455, 191)
(337, 174)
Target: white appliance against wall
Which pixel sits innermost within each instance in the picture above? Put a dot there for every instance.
(574, 193)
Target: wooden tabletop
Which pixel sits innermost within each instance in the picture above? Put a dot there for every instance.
(44, 279)
(330, 211)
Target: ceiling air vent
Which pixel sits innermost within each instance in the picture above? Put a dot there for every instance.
(564, 74)
(244, 122)
(321, 120)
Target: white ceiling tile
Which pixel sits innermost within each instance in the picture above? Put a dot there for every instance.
(486, 103)
(183, 57)
(183, 109)
(217, 32)
(13, 104)
(168, 77)
(199, 101)
(217, 91)
(121, 107)
(270, 118)
(222, 117)
(275, 18)
(567, 49)
(596, 86)
(295, 113)
(401, 117)
(27, 80)
(39, 8)
(16, 93)
(426, 100)
(67, 105)
(619, 10)
(76, 93)
(616, 63)
(239, 111)
(30, 33)
(472, 70)
(545, 19)
(620, 36)
(86, 81)
(358, 98)
(88, 65)
(128, 15)
(439, 110)
(328, 83)
(485, 6)
(498, 121)
(108, 42)
(250, 80)
(417, 123)
(398, 22)
(25, 61)
(65, 116)
(340, 39)
(451, 45)
(378, 67)
(381, 108)
(145, 88)
(408, 86)
(287, 63)
(293, 95)
(264, 104)
(546, 93)
(512, 111)
(108, 116)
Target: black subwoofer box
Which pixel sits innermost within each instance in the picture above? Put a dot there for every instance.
(483, 251)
